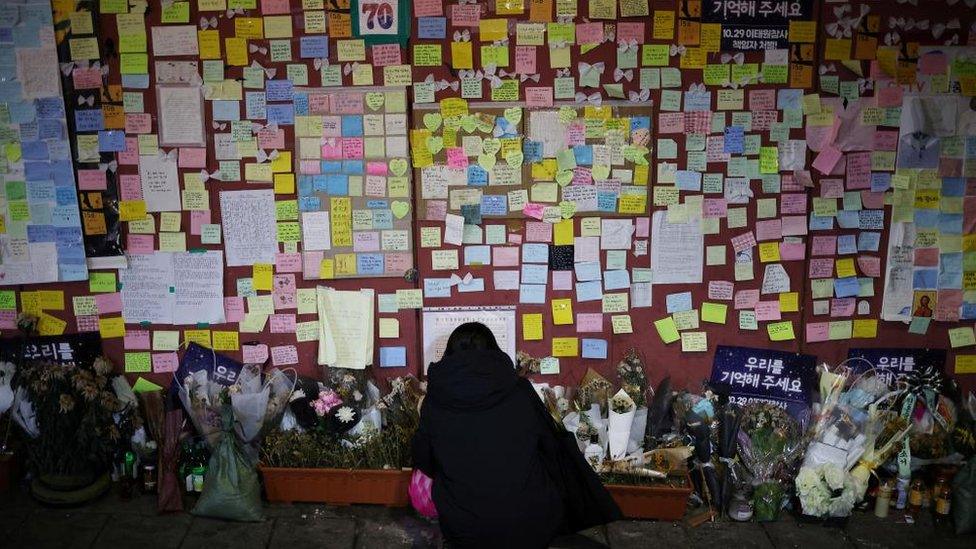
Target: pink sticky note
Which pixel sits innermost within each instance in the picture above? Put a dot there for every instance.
(762, 100)
(130, 187)
(505, 256)
(842, 307)
(869, 265)
(533, 210)
(311, 264)
(824, 245)
(562, 280)
(629, 31)
(792, 251)
(165, 362)
(387, 54)
(138, 122)
(589, 322)
(890, 96)
(821, 268)
(192, 158)
(288, 262)
(234, 308)
(86, 79)
(92, 180)
(8, 319)
(108, 303)
(140, 244)
(136, 340)
(872, 201)
(794, 225)
(538, 231)
(859, 170)
(818, 331)
(827, 159)
(514, 238)
(254, 354)
(198, 218)
(642, 227)
(525, 59)
(282, 323)
(767, 310)
(130, 156)
(85, 323)
(352, 148)
(671, 122)
(589, 33)
(456, 158)
(465, 16)
(427, 8)
(720, 289)
(746, 299)
(885, 140)
(743, 241)
(538, 96)
(274, 7)
(947, 306)
(769, 229)
(269, 138)
(309, 167)
(714, 207)
(926, 257)
(284, 355)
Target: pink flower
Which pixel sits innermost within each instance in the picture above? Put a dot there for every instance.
(326, 401)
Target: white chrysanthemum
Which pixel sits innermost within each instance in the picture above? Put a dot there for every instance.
(345, 414)
(834, 476)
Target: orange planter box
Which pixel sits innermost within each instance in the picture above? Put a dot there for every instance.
(651, 502)
(337, 486)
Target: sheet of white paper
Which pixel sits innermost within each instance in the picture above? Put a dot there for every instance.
(897, 301)
(677, 251)
(199, 287)
(316, 231)
(345, 327)
(160, 183)
(181, 116)
(250, 233)
(174, 40)
(148, 288)
(439, 322)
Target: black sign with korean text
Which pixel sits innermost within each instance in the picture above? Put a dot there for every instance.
(63, 349)
(893, 364)
(755, 25)
(762, 375)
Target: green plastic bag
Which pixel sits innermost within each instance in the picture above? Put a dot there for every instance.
(231, 489)
(964, 498)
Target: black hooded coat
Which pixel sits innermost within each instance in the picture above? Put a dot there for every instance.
(501, 473)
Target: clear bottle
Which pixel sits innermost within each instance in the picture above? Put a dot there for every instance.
(127, 480)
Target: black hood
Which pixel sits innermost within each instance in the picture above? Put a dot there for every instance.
(471, 380)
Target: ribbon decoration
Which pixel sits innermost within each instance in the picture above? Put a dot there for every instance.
(829, 67)
(320, 62)
(204, 176)
(594, 98)
(585, 68)
(256, 128)
(471, 73)
(172, 155)
(627, 46)
(219, 125)
(639, 97)
(738, 58)
(939, 28)
(349, 68)
(620, 74)
(230, 13)
(533, 77)
(263, 157)
(462, 35)
(90, 100)
(676, 50)
(112, 166)
(561, 73)
(210, 23)
(493, 80)
(254, 48)
(457, 280)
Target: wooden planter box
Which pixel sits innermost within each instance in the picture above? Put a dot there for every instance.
(337, 486)
(651, 502)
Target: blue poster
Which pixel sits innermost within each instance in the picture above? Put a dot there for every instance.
(893, 364)
(762, 375)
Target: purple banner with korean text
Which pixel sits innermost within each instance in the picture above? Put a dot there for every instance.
(893, 364)
(762, 375)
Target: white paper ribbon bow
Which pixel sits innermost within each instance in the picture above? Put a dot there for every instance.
(456, 280)
(738, 58)
(254, 48)
(90, 100)
(256, 128)
(349, 68)
(263, 157)
(585, 68)
(462, 35)
(699, 88)
(320, 62)
(639, 97)
(171, 156)
(493, 79)
(232, 12)
(210, 23)
(204, 176)
(532, 77)
(594, 98)
(829, 67)
(627, 46)
(112, 166)
(620, 74)
(470, 73)
(676, 50)
(219, 125)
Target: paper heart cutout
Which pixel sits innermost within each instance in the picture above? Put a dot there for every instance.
(435, 144)
(375, 100)
(513, 114)
(564, 177)
(452, 123)
(398, 166)
(515, 158)
(400, 208)
(432, 120)
(487, 124)
(487, 161)
(491, 145)
(469, 123)
(600, 172)
(567, 114)
(567, 209)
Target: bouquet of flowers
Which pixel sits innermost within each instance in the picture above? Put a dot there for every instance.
(633, 381)
(622, 410)
(769, 444)
(828, 490)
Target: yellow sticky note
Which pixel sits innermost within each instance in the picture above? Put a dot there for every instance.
(667, 329)
(200, 337)
(562, 311)
(621, 324)
(768, 252)
(965, 364)
(565, 346)
(562, 233)
(50, 325)
(83, 49)
(532, 326)
(462, 56)
(111, 327)
(865, 328)
(789, 302)
(132, 210)
(208, 42)
(284, 183)
(236, 51)
(51, 300)
(845, 267)
(277, 26)
(389, 328)
(491, 30)
(780, 331)
(714, 312)
(262, 276)
(663, 25)
(962, 337)
(225, 340)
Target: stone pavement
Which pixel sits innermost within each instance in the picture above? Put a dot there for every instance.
(111, 523)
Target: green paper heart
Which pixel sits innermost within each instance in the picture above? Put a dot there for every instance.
(375, 100)
(567, 209)
(567, 114)
(400, 208)
(486, 125)
(452, 123)
(600, 172)
(515, 158)
(564, 177)
(636, 154)
(491, 145)
(435, 144)
(432, 120)
(513, 114)
(469, 123)
(487, 161)
(398, 166)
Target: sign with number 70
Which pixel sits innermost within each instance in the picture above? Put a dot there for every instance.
(381, 21)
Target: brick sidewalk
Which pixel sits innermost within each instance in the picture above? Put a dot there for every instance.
(111, 523)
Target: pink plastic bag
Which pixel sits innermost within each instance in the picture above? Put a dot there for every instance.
(420, 496)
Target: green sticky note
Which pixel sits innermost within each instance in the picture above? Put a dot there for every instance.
(8, 300)
(962, 337)
(919, 325)
(714, 312)
(138, 362)
(143, 385)
(781, 331)
(134, 63)
(667, 329)
(102, 282)
(747, 320)
(177, 12)
(840, 329)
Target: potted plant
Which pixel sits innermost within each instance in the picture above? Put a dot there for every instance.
(357, 451)
(72, 435)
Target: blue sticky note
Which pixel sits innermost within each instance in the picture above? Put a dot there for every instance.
(227, 110)
(352, 167)
(618, 279)
(377, 204)
(40, 233)
(111, 141)
(393, 357)
(46, 129)
(587, 270)
(678, 302)
(135, 81)
(868, 241)
(255, 105)
(640, 123)
(606, 201)
(34, 150)
(583, 154)
(471, 214)
(821, 223)
(477, 176)
(494, 204)
(476, 285)
(370, 264)
(594, 348)
(870, 219)
(314, 46)
(926, 218)
(300, 101)
(535, 274)
(283, 115)
(49, 108)
(437, 287)
(382, 219)
(880, 182)
(279, 90)
(950, 223)
(534, 252)
(477, 255)
(847, 287)
(846, 244)
(431, 28)
(89, 120)
(789, 99)
(337, 185)
(352, 125)
(734, 140)
(532, 293)
(532, 151)
(688, 180)
(589, 291)
(849, 219)
(331, 166)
